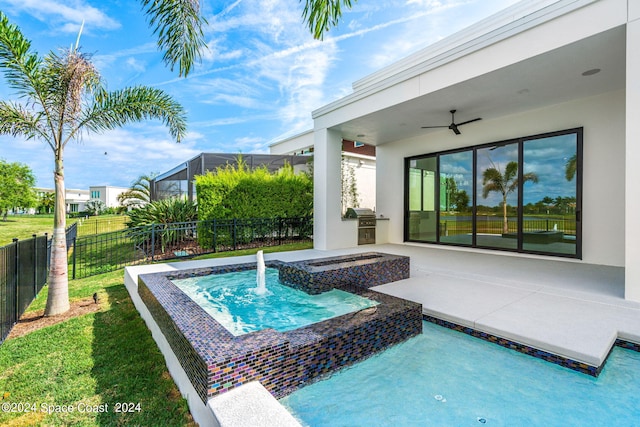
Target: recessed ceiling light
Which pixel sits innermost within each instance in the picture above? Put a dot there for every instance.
(591, 72)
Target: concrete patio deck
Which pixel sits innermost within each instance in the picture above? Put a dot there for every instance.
(567, 308)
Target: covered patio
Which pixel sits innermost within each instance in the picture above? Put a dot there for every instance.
(536, 69)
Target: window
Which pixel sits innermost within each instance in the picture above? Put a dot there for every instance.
(95, 194)
(520, 195)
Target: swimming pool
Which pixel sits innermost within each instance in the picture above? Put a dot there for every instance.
(233, 301)
(446, 378)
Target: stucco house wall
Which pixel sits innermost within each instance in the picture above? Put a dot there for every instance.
(604, 150)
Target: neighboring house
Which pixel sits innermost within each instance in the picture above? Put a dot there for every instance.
(77, 199)
(180, 181)
(358, 158)
(74, 199)
(556, 84)
(108, 194)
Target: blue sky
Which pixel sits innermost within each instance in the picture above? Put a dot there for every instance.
(259, 81)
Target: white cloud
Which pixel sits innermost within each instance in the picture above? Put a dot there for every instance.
(135, 64)
(66, 15)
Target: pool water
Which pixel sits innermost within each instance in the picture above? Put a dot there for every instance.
(231, 299)
(447, 378)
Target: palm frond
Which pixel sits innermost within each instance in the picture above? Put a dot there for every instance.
(511, 171)
(15, 120)
(571, 167)
(178, 24)
(115, 109)
(21, 67)
(321, 15)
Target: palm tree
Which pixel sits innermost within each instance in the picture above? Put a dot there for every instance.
(571, 167)
(321, 15)
(62, 97)
(504, 183)
(178, 24)
(139, 194)
(47, 203)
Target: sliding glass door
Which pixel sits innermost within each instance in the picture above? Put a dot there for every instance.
(520, 195)
(550, 209)
(456, 198)
(497, 202)
(423, 220)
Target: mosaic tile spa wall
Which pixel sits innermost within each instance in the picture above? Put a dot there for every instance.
(215, 361)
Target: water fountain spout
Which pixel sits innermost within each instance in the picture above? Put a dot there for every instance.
(260, 275)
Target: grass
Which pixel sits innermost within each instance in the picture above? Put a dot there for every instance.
(101, 224)
(24, 226)
(95, 359)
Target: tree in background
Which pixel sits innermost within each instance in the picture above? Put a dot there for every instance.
(139, 194)
(46, 203)
(95, 207)
(63, 97)
(571, 167)
(16, 187)
(493, 179)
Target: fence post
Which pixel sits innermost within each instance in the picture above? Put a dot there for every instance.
(16, 266)
(215, 235)
(234, 233)
(73, 276)
(153, 242)
(35, 265)
(46, 239)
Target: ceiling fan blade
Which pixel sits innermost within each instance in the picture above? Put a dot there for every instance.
(433, 127)
(468, 121)
(454, 128)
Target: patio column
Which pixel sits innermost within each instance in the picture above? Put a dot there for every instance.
(329, 231)
(632, 156)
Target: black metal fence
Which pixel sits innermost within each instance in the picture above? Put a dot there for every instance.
(453, 225)
(100, 224)
(23, 272)
(101, 253)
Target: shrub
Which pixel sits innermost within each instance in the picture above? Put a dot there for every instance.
(163, 211)
(237, 192)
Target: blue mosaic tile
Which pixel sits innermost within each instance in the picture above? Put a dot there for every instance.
(531, 351)
(216, 361)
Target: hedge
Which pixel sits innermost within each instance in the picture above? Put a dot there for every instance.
(238, 192)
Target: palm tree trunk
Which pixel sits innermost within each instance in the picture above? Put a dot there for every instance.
(58, 280)
(505, 222)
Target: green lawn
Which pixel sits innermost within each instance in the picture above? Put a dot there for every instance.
(24, 226)
(94, 359)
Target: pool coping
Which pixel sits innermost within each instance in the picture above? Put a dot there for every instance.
(547, 356)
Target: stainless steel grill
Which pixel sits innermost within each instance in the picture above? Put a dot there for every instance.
(366, 224)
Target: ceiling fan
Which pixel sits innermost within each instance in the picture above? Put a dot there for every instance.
(453, 126)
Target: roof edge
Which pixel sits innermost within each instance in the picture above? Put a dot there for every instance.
(513, 20)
